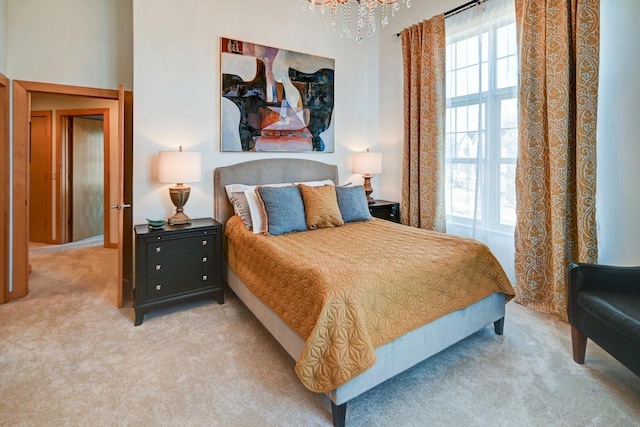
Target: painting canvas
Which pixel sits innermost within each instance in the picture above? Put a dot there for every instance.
(275, 99)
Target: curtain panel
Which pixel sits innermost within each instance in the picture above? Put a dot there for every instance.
(423, 52)
(556, 166)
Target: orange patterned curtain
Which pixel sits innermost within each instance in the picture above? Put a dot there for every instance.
(556, 172)
(423, 51)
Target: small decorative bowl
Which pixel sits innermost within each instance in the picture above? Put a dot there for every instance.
(156, 223)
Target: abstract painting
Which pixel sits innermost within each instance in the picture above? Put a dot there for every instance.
(275, 99)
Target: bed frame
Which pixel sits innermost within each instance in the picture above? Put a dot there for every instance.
(392, 358)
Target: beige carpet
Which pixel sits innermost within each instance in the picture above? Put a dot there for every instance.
(68, 357)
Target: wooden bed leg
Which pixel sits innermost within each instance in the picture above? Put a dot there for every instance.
(498, 326)
(579, 344)
(339, 414)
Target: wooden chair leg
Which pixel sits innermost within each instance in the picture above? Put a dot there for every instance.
(579, 344)
(339, 414)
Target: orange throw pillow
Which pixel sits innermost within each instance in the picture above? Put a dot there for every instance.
(321, 206)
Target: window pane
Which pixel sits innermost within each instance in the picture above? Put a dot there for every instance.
(513, 39)
(506, 41)
(450, 146)
(461, 54)
(509, 128)
(485, 47)
(460, 191)
(502, 42)
(506, 51)
(507, 72)
(502, 70)
(485, 76)
(473, 85)
(508, 195)
(473, 118)
(472, 51)
(461, 82)
(509, 143)
(461, 119)
(512, 72)
(509, 113)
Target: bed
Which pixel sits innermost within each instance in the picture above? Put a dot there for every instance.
(375, 358)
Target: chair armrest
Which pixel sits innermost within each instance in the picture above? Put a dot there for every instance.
(597, 276)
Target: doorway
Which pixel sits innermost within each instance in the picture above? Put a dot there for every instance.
(23, 92)
(70, 172)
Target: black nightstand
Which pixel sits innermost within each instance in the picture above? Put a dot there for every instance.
(385, 210)
(176, 263)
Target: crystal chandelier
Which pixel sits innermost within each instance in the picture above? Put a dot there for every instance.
(340, 15)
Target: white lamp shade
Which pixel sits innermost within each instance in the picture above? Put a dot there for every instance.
(179, 167)
(367, 163)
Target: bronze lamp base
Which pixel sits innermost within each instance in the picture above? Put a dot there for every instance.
(179, 196)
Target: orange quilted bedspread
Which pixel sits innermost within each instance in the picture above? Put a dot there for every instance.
(350, 289)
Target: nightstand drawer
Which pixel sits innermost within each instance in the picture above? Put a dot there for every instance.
(168, 247)
(171, 286)
(180, 264)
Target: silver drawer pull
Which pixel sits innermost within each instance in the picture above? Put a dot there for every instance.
(204, 259)
(204, 278)
(204, 243)
(158, 287)
(158, 249)
(158, 267)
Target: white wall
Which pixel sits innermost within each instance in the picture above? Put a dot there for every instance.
(80, 43)
(3, 37)
(177, 87)
(618, 198)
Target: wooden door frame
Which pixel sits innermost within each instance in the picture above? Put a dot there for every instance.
(106, 129)
(4, 188)
(21, 112)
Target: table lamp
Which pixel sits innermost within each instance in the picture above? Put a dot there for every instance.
(367, 164)
(179, 167)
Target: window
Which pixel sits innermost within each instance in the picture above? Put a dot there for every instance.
(481, 125)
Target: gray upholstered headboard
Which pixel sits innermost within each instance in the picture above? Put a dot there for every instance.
(265, 171)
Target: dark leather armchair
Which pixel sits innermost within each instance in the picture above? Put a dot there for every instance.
(604, 306)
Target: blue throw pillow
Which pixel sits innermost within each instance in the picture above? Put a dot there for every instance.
(284, 209)
(353, 205)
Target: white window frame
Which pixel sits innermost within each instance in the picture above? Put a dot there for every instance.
(492, 160)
